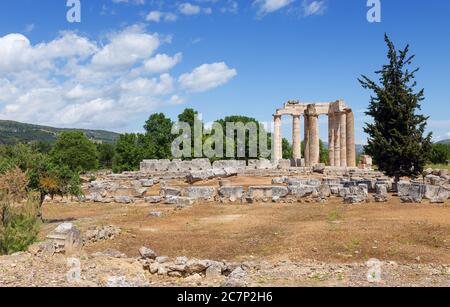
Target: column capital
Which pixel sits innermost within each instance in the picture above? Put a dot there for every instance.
(277, 116)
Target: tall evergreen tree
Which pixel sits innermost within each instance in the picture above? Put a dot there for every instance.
(396, 137)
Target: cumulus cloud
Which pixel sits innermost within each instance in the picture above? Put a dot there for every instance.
(75, 81)
(207, 76)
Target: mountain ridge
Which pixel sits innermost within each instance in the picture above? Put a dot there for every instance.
(13, 132)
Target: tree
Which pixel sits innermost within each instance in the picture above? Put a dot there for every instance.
(105, 155)
(159, 133)
(286, 149)
(324, 153)
(396, 137)
(440, 153)
(249, 138)
(76, 151)
(131, 149)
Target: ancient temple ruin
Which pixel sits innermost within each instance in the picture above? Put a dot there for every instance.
(341, 131)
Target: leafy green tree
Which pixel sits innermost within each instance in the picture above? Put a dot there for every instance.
(105, 155)
(131, 149)
(248, 138)
(76, 151)
(323, 150)
(159, 133)
(440, 153)
(396, 137)
(286, 149)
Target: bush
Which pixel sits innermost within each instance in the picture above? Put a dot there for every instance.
(440, 153)
(19, 226)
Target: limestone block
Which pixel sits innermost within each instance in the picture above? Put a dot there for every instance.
(202, 193)
(436, 194)
(231, 193)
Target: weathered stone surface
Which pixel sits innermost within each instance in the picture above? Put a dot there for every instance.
(195, 176)
(381, 193)
(411, 192)
(147, 183)
(202, 193)
(231, 193)
(66, 238)
(284, 164)
(196, 266)
(237, 164)
(100, 233)
(436, 194)
(170, 191)
(179, 201)
(356, 195)
(153, 199)
(324, 191)
(319, 168)
(147, 253)
(300, 191)
(123, 200)
(264, 164)
(265, 193)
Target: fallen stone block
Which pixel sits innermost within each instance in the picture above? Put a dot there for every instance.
(170, 191)
(179, 201)
(66, 238)
(231, 193)
(147, 253)
(381, 195)
(202, 193)
(301, 191)
(123, 200)
(195, 176)
(436, 194)
(266, 193)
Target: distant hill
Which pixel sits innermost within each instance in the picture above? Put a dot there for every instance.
(14, 132)
(444, 142)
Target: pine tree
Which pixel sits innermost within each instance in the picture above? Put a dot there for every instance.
(396, 136)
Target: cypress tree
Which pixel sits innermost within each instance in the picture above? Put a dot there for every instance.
(396, 136)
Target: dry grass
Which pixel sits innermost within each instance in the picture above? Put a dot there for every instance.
(330, 232)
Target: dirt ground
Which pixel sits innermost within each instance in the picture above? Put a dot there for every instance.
(330, 232)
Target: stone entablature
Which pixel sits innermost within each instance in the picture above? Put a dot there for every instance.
(341, 131)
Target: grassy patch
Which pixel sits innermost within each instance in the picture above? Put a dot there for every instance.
(438, 166)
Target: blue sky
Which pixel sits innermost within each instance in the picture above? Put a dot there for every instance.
(130, 58)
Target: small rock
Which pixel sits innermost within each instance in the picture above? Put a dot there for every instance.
(147, 253)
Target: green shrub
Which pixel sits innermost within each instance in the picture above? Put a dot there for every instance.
(19, 225)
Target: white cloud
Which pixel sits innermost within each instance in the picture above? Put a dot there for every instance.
(75, 81)
(157, 16)
(207, 76)
(269, 6)
(313, 7)
(189, 9)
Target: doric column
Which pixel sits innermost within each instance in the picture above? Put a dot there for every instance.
(296, 145)
(314, 145)
(351, 146)
(331, 138)
(343, 128)
(337, 140)
(306, 139)
(277, 141)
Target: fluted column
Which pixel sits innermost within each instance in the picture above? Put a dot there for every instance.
(351, 146)
(313, 127)
(277, 141)
(306, 139)
(296, 145)
(337, 140)
(331, 138)
(343, 128)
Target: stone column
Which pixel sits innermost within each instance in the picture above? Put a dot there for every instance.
(351, 146)
(277, 141)
(343, 138)
(337, 140)
(306, 140)
(296, 145)
(331, 138)
(314, 145)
